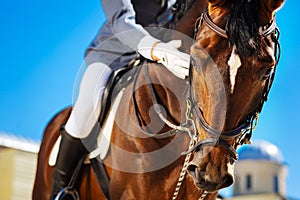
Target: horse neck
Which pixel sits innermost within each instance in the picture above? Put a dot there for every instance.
(169, 92)
(166, 87)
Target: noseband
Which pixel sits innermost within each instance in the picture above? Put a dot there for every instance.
(243, 133)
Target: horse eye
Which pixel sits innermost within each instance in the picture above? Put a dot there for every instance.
(268, 73)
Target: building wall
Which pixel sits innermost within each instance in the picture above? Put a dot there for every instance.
(257, 197)
(17, 172)
(262, 174)
(6, 173)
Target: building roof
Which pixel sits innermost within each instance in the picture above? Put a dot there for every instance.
(16, 142)
(261, 150)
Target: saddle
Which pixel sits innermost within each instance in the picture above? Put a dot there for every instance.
(118, 80)
(98, 140)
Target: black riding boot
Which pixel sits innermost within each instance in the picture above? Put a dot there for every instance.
(71, 151)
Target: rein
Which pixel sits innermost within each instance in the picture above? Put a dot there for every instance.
(185, 127)
(241, 134)
(174, 128)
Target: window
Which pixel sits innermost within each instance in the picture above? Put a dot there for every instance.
(236, 188)
(248, 182)
(275, 184)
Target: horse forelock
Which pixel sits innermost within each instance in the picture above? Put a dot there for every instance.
(242, 27)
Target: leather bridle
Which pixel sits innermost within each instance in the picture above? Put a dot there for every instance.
(221, 32)
(243, 133)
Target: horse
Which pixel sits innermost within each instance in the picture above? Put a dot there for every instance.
(177, 139)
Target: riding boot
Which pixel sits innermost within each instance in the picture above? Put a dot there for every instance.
(71, 151)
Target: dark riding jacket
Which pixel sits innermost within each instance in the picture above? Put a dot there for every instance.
(117, 40)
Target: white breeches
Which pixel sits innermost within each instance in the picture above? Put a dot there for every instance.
(87, 107)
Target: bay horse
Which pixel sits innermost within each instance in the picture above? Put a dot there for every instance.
(167, 128)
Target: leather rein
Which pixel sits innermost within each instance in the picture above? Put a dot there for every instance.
(241, 134)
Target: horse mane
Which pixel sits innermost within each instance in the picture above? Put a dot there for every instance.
(242, 27)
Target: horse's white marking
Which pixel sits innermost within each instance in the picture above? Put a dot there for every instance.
(234, 63)
(230, 168)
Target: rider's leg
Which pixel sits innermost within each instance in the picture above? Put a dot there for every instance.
(83, 117)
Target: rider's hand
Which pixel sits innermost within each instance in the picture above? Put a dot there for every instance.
(166, 54)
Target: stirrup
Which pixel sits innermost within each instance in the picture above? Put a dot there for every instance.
(67, 193)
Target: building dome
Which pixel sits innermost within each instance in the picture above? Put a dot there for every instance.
(261, 150)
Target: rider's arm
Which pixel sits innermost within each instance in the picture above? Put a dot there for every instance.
(121, 19)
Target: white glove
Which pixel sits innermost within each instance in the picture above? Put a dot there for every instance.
(166, 54)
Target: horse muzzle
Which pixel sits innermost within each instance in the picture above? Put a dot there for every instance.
(210, 182)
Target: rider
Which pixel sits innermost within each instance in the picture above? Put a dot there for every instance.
(122, 37)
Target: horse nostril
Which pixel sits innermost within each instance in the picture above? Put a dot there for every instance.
(191, 167)
(195, 172)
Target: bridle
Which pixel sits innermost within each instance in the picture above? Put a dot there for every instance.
(221, 32)
(243, 133)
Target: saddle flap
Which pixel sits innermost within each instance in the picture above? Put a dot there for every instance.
(103, 139)
(112, 96)
(54, 152)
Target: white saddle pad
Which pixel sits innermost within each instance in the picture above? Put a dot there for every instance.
(103, 138)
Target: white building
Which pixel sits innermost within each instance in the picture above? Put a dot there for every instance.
(260, 173)
(18, 159)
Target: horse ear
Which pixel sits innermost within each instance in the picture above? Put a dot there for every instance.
(274, 5)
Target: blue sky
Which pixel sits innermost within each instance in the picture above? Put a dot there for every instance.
(42, 46)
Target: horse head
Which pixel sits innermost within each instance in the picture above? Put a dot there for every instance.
(233, 63)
